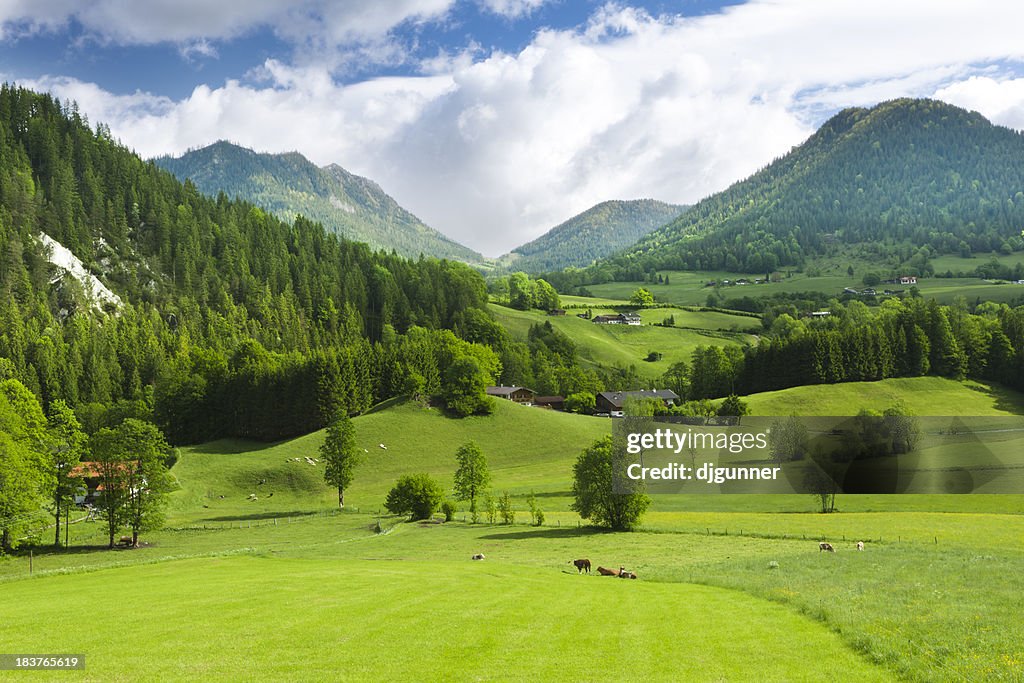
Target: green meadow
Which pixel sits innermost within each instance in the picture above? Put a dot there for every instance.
(625, 345)
(689, 288)
(732, 587)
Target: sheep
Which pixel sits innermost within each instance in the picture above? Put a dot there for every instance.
(860, 545)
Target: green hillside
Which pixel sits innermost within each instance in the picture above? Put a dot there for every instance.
(597, 232)
(923, 395)
(906, 178)
(687, 288)
(625, 345)
(289, 185)
(527, 448)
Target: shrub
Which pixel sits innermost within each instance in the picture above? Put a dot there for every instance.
(491, 508)
(448, 508)
(536, 514)
(508, 515)
(415, 494)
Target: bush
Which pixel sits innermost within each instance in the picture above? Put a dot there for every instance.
(415, 494)
(448, 508)
(508, 515)
(491, 508)
(582, 402)
(536, 514)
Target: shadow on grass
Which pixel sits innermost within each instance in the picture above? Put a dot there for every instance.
(1003, 398)
(554, 494)
(233, 446)
(556, 533)
(257, 515)
(50, 551)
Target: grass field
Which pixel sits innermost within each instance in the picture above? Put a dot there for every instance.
(923, 395)
(625, 345)
(268, 618)
(688, 288)
(732, 586)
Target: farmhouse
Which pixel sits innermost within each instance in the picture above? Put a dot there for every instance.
(91, 478)
(520, 395)
(550, 402)
(618, 319)
(556, 311)
(614, 402)
(908, 280)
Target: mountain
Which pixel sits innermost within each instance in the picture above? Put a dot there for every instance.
(597, 232)
(911, 178)
(289, 185)
(125, 292)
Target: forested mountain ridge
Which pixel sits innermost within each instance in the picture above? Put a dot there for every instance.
(597, 232)
(231, 321)
(905, 175)
(289, 185)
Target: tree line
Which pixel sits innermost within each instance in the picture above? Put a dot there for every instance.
(901, 338)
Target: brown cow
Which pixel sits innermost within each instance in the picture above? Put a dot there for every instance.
(581, 565)
(609, 572)
(826, 546)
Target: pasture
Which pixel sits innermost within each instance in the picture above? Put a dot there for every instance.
(688, 288)
(625, 345)
(732, 587)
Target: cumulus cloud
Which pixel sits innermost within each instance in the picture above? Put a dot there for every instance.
(1002, 101)
(338, 33)
(494, 149)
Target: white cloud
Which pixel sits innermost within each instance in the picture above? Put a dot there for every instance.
(495, 149)
(338, 33)
(1002, 101)
(511, 9)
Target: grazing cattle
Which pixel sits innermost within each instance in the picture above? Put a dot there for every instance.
(608, 572)
(478, 556)
(860, 545)
(826, 546)
(581, 566)
(382, 446)
(623, 574)
(125, 541)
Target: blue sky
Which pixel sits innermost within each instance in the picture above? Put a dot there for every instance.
(494, 120)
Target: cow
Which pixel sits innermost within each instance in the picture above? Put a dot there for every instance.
(609, 572)
(826, 547)
(623, 574)
(581, 565)
(860, 545)
(478, 556)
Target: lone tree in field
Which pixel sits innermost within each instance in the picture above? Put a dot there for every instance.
(418, 495)
(472, 476)
(341, 455)
(641, 297)
(604, 496)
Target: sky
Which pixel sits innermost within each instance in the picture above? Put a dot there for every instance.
(495, 120)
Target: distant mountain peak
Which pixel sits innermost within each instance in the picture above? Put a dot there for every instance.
(288, 184)
(595, 233)
(919, 173)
